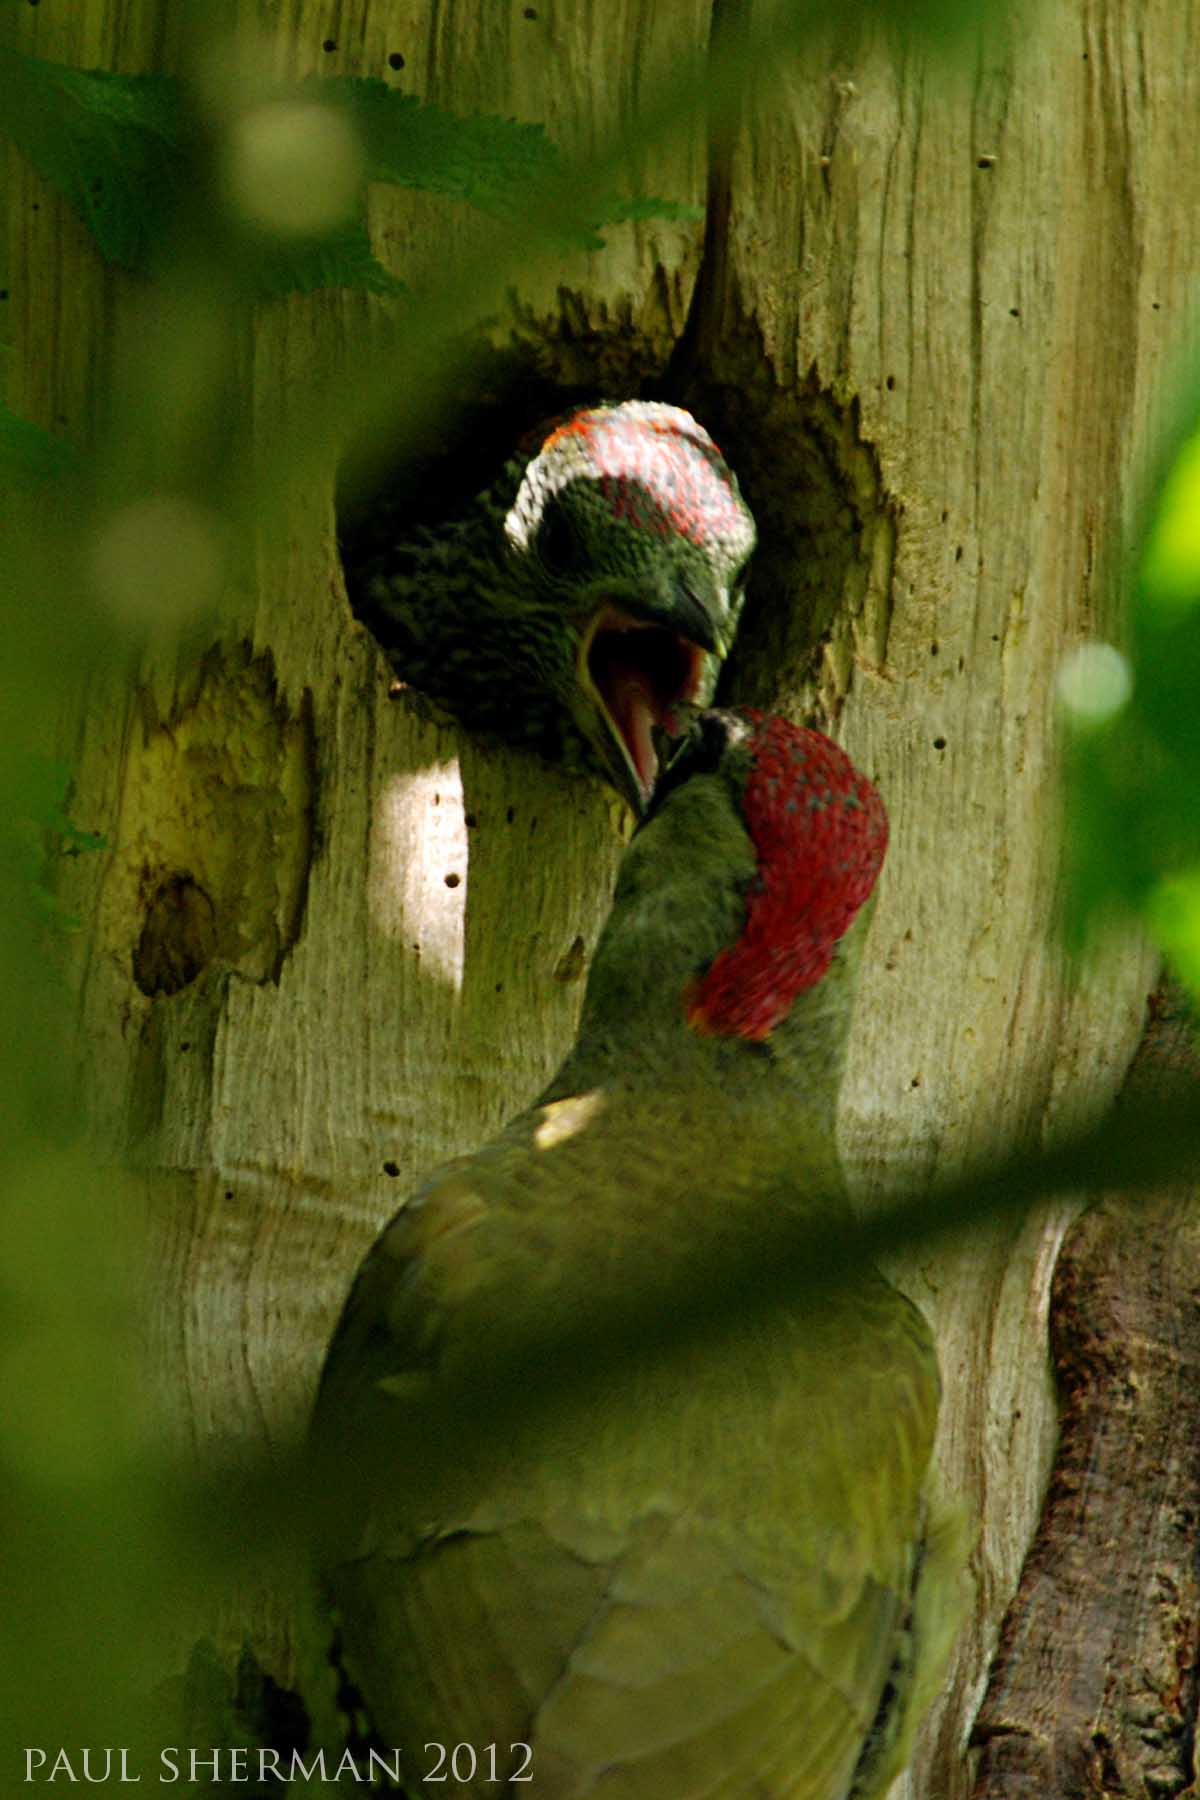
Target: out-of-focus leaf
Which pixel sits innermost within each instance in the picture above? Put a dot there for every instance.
(1171, 564)
(483, 159)
(620, 212)
(496, 165)
(1134, 780)
(115, 147)
(341, 258)
(110, 144)
(39, 810)
(29, 451)
(1173, 915)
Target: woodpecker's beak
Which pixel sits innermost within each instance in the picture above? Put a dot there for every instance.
(633, 673)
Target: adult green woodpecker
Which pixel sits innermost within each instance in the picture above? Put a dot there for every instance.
(595, 585)
(724, 1576)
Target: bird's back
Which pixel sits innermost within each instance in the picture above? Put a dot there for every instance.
(635, 1589)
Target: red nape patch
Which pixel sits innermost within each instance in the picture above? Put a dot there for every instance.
(820, 831)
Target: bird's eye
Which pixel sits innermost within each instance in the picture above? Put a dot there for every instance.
(557, 545)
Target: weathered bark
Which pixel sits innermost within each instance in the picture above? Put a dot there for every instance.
(1095, 1684)
(935, 307)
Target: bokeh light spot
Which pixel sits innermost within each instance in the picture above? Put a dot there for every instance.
(161, 557)
(294, 167)
(1094, 683)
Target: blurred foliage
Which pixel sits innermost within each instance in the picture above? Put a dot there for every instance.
(28, 452)
(489, 162)
(31, 838)
(1133, 743)
(120, 149)
(108, 143)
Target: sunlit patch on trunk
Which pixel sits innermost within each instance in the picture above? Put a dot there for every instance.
(418, 874)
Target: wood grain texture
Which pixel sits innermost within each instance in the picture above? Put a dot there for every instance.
(1095, 1684)
(932, 346)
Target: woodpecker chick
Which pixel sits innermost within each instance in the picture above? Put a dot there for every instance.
(584, 595)
(725, 1576)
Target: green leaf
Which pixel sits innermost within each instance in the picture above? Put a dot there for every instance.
(485, 160)
(1171, 563)
(619, 212)
(341, 258)
(29, 451)
(110, 144)
(115, 147)
(41, 797)
(1134, 781)
(494, 164)
(1173, 916)
(44, 786)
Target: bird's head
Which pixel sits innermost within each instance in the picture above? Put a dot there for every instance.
(631, 531)
(742, 884)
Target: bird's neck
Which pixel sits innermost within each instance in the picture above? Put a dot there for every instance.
(767, 1108)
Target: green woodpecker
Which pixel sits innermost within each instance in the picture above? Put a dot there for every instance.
(595, 585)
(724, 1576)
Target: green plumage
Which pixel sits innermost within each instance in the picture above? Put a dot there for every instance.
(721, 1579)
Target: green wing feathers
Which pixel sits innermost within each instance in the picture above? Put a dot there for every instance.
(711, 1583)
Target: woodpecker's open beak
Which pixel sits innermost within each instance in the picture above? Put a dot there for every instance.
(636, 672)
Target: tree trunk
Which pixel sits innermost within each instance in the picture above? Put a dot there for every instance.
(927, 323)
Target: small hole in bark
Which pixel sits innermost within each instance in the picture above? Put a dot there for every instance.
(391, 1168)
(958, 554)
(511, 814)
(890, 383)
(569, 966)
(452, 880)
(395, 60)
(178, 938)
(939, 743)
(933, 649)
(329, 44)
